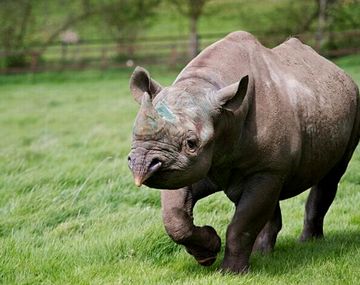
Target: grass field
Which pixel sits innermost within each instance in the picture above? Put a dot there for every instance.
(70, 214)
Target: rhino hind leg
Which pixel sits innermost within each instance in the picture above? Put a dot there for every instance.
(319, 201)
(266, 239)
(322, 195)
(320, 198)
(201, 242)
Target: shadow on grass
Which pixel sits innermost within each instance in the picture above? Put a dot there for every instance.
(290, 256)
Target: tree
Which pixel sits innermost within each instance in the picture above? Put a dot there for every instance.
(192, 9)
(22, 25)
(16, 20)
(82, 11)
(330, 15)
(126, 18)
(26, 22)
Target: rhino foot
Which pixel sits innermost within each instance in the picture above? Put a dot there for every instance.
(205, 250)
(263, 246)
(234, 266)
(308, 236)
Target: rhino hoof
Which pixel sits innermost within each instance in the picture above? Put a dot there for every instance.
(263, 248)
(205, 253)
(234, 268)
(207, 261)
(310, 237)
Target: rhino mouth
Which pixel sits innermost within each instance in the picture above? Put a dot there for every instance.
(143, 171)
(167, 179)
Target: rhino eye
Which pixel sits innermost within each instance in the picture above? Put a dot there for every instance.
(191, 144)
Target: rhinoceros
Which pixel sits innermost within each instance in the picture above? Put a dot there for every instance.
(260, 124)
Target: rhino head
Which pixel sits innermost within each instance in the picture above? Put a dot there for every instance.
(174, 133)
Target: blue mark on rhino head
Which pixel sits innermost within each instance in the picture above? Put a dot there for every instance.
(165, 112)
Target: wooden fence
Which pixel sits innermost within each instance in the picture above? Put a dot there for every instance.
(169, 51)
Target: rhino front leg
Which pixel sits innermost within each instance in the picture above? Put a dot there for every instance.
(177, 206)
(255, 205)
(266, 239)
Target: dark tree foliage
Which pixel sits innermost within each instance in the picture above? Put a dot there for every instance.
(15, 21)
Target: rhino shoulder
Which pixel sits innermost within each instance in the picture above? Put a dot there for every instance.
(241, 36)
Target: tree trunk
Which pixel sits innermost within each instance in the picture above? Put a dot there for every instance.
(24, 25)
(321, 24)
(194, 38)
(68, 23)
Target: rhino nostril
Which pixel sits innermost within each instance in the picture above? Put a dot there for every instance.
(155, 164)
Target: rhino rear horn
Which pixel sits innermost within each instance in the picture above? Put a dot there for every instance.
(148, 122)
(141, 82)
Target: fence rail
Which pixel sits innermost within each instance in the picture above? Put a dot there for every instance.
(170, 51)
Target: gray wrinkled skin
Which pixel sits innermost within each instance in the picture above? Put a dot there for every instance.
(261, 125)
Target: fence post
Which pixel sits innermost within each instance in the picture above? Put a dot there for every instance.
(63, 53)
(76, 54)
(104, 57)
(321, 25)
(173, 56)
(34, 61)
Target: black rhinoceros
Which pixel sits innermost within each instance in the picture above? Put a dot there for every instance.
(261, 125)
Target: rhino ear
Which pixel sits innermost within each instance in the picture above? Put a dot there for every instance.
(231, 97)
(141, 82)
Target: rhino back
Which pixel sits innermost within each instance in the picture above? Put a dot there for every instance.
(301, 115)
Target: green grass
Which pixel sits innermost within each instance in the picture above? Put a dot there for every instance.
(70, 214)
